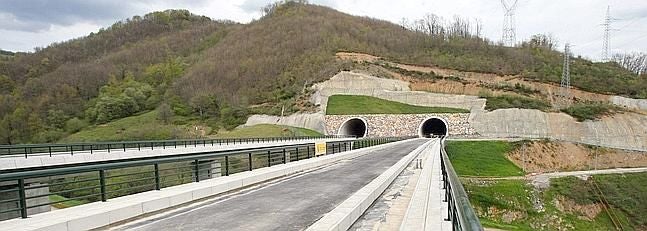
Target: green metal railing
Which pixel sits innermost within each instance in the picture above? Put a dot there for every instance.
(460, 211)
(67, 185)
(70, 148)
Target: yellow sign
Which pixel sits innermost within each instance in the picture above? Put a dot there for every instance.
(320, 149)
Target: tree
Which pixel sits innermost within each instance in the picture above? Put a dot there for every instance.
(634, 62)
(6, 84)
(164, 113)
(56, 118)
(542, 41)
(205, 105)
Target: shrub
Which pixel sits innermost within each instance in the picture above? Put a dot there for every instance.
(75, 124)
(591, 110)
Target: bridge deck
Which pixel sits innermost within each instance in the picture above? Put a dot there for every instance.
(292, 203)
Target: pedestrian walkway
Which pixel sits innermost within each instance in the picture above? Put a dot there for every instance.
(426, 210)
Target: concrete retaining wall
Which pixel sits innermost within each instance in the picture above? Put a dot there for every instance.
(637, 104)
(403, 124)
(314, 121)
(349, 83)
(624, 131)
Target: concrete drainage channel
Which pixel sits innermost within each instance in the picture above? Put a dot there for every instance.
(346, 213)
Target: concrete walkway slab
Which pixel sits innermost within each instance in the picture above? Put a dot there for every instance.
(426, 211)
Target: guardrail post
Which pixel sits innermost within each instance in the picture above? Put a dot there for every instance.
(157, 177)
(284, 156)
(196, 169)
(50, 151)
(249, 157)
(108, 148)
(296, 149)
(308, 152)
(124, 146)
(226, 165)
(102, 183)
(22, 198)
(269, 160)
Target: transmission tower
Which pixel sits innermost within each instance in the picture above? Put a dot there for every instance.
(566, 78)
(509, 30)
(607, 35)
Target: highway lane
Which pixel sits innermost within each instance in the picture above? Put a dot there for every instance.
(292, 203)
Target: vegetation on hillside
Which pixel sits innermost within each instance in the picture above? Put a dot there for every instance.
(356, 105)
(268, 130)
(591, 110)
(482, 158)
(6, 54)
(568, 204)
(219, 70)
(511, 101)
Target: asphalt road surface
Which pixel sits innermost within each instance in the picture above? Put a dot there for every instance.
(292, 203)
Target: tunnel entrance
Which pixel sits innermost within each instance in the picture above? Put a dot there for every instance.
(354, 127)
(433, 127)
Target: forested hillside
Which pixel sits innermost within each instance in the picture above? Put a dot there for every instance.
(217, 72)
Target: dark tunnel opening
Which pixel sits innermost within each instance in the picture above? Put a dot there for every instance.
(433, 127)
(354, 127)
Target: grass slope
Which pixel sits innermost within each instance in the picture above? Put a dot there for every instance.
(268, 130)
(591, 110)
(145, 126)
(355, 104)
(508, 204)
(482, 158)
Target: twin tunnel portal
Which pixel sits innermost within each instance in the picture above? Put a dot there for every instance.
(433, 126)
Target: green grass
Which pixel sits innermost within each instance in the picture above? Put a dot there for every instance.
(268, 130)
(64, 204)
(482, 158)
(624, 192)
(145, 126)
(510, 101)
(355, 104)
(591, 110)
(504, 196)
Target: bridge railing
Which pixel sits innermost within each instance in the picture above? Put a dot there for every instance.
(28, 191)
(460, 211)
(70, 148)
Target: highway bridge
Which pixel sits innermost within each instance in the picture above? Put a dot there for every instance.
(299, 183)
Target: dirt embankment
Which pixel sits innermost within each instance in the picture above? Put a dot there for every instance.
(472, 83)
(548, 156)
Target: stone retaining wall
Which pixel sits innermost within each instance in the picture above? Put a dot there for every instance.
(402, 124)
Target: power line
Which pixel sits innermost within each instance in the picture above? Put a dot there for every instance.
(606, 43)
(509, 30)
(565, 85)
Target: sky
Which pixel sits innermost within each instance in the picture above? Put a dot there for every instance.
(26, 24)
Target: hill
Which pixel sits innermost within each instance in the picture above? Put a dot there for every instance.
(218, 71)
(6, 53)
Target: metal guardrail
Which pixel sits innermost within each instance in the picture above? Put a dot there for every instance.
(460, 211)
(71, 148)
(24, 190)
